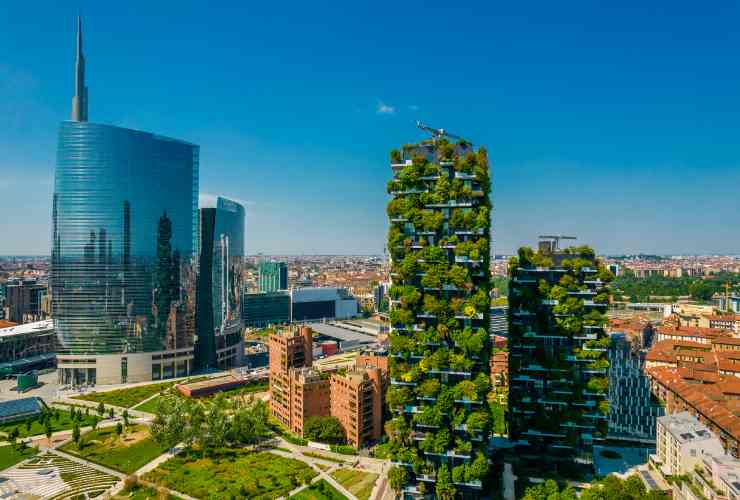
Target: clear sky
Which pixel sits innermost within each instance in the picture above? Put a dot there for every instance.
(609, 120)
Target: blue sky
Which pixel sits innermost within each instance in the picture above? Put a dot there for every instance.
(613, 121)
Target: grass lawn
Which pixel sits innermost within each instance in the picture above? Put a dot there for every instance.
(125, 398)
(62, 423)
(320, 490)
(10, 456)
(232, 473)
(359, 483)
(150, 406)
(126, 454)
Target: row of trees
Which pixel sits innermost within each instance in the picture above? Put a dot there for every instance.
(698, 288)
(210, 425)
(609, 488)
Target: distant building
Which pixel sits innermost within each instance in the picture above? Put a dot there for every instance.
(380, 294)
(499, 321)
(288, 349)
(322, 303)
(265, 308)
(273, 276)
(733, 304)
(21, 409)
(24, 300)
(27, 347)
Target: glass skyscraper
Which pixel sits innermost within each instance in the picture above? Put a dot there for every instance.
(124, 230)
(273, 276)
(220, 285)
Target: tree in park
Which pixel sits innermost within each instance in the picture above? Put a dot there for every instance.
(47, 432)
(87, 411)
(397, 476)
(119, 429)
(324, 429)
(101, 409)
(76, 433)
(95, 423)
(13, 435)
(111, 414)
(29, 422)
(445, 489)
(125, 418)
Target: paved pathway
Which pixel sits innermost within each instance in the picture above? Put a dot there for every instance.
(509, 479)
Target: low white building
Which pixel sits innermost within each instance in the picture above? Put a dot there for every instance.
(682, 442)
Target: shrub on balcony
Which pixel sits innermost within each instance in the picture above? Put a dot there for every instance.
(482, 384)
(397, 430)
(478, 470)
(458, 473)
(599, 364)
(463, 447)
(429, 415)
(458, 276)
(445, 400)
(442, 441)
(444, 488)
(602, 298)
(395, 156)
(465, 390)
(440, 359)
(429, 388)
(400, 316)
(478, 421)
(393, 186)
(598, 384)
(399, 396)
(442, 190)
(459, 363)
(604, 407)
(409, 296)
(482, 219)
(407, 268)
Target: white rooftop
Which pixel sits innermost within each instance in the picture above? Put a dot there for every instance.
(685, 428)
(26, 328)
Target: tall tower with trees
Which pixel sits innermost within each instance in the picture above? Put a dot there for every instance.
(439, 248)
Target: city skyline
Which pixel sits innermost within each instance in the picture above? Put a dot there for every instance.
(298, 113)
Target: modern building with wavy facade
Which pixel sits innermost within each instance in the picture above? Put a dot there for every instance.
(124, 232)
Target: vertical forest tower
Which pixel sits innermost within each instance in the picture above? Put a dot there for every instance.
(439, 312)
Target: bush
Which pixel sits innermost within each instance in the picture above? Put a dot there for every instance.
(324, 430)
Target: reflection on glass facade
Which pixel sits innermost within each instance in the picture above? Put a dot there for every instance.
(124, 231)
(220, 283)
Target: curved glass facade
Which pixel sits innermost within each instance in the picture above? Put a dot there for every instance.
(124, 230)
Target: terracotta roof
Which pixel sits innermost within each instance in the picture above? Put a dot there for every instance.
(7, 324)
(693, 331)
(727, 341)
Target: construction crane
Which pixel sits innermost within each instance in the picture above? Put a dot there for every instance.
(556, 239)
(437, 133)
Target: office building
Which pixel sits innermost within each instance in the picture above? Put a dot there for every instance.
(318, 303)
(24, 298)
(558, 350)
(220, 270)
(632, 407)
(380, 297)
(124, 231)
(439, 313)
(264, 309)
(26, 347)
(273, 276)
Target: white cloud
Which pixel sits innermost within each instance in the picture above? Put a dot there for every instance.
(385, 109)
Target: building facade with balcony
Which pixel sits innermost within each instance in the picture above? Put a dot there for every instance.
(439, 248)
(558, 359)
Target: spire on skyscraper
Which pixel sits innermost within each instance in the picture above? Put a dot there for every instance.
(79, 101)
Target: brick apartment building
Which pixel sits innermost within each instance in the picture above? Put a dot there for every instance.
(299, 391)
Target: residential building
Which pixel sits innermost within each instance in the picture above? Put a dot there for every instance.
(124, 232)
(682, 442)
(30, 346)
(558, 356)
(357, 402)
(24, 298)
(265, 309)
(273, 276)
(221, 231)
(288, 348)
(439, 312)
(298, 390)
(319, 303)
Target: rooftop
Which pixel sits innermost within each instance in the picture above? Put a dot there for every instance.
(35, 327)
(684, 427)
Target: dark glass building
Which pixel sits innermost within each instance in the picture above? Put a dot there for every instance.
(220, 285)
(264, 309)
(124, 230)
